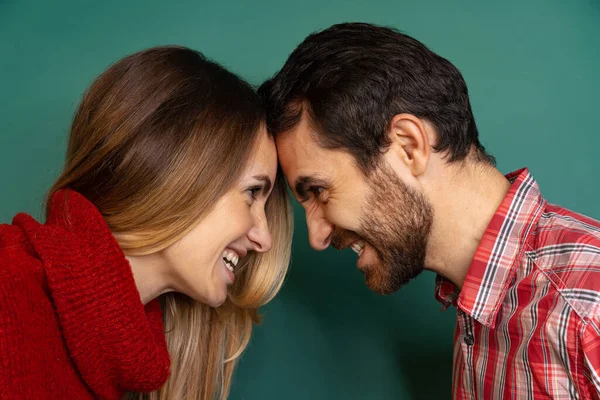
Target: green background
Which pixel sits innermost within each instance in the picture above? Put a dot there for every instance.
(533, 72)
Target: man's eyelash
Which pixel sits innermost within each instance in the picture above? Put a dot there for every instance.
(316, 190)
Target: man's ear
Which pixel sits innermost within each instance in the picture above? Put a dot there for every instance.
(409, 142)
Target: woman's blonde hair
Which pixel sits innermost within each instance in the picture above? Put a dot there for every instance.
(158, 138)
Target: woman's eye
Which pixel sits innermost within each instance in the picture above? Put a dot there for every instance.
(254, 192)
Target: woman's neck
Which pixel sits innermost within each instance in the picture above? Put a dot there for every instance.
(150, 276)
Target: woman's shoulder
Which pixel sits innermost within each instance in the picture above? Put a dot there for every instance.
(19, 264)
(24, 297)
(30, 338)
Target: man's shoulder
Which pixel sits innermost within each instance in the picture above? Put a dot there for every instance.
(565, 246)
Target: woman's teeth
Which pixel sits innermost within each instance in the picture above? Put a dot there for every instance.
(231, 259)
(358, 246)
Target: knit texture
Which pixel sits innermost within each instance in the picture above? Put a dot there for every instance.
(72, 324)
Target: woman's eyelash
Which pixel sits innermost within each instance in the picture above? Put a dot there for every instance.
(254, 191)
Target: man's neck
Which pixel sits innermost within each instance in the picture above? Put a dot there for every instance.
(464, 201)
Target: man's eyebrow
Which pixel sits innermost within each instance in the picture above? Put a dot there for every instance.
(304, 183)
(266, 182)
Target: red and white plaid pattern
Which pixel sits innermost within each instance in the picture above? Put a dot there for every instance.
(528, 314)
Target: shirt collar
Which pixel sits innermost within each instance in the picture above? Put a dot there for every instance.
(499, 252)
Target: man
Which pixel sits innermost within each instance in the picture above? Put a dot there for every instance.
(378, 142)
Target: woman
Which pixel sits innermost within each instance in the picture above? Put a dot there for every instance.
(165, 232)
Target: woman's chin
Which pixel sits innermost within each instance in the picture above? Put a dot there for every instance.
(218, 302)
(217, 298)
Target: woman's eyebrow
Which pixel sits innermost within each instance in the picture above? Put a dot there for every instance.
(266, 182)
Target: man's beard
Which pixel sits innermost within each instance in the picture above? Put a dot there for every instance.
(395, 221)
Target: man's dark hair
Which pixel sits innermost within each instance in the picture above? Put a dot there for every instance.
(352, 78)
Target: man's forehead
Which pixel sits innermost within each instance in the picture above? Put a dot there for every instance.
(301, 135)
(301, 155)
(297, 149)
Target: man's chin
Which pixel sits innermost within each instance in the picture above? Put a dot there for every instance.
(378, 282)
(381, 281)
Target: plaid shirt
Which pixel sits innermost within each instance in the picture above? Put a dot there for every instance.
(528, 314)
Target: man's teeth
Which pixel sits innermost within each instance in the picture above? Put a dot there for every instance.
(231, 259)
(358, 246)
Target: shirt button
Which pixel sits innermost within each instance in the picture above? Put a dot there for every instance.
(469, 340)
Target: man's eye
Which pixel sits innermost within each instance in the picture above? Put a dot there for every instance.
(316, 190)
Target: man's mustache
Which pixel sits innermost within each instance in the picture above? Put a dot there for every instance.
(341, 238)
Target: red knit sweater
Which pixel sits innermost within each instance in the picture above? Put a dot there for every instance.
(72, 325)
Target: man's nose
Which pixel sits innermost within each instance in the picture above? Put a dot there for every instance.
(319, 232)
